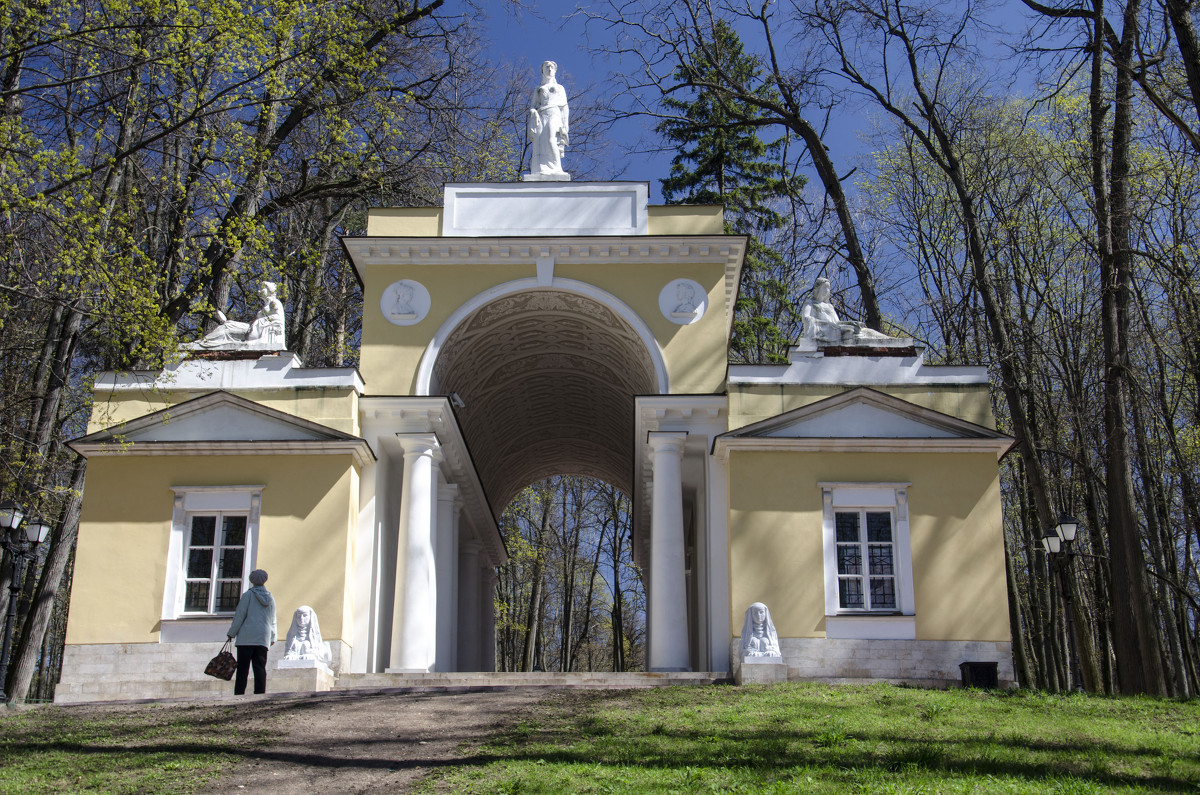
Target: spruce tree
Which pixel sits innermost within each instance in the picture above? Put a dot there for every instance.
(722, 160)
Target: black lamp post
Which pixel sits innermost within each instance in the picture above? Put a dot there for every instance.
(1058, 545)
(19, 537)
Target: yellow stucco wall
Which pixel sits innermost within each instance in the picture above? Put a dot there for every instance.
(404, 222)
(306, 538)
(335, 408)
(685, 219)
(695, 354)
(775, 538)
(750, 403)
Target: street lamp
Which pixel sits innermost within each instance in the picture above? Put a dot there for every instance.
(1057, 542)
(18, 537)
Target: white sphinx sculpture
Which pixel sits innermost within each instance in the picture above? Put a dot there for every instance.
(264, 333)
(759, 638)
(822, 326)
(304, 638)
(549, 128)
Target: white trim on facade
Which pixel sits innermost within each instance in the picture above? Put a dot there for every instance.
(267, 372)
(816, 368)
(892, 496)
(195, 499)
(545, 208)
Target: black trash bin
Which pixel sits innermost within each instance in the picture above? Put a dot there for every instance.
(979, 674)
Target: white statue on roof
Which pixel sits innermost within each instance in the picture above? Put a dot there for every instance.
(822, 326)
(264, 333)
(549, 128)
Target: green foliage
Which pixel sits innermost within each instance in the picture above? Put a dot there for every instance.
(722, 160)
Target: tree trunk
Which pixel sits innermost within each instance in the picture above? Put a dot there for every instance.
(33, 632)
(1135, 635)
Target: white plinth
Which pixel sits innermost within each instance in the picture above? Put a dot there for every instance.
(563, 177)
(768, 670)
(316, 665)
(545, 208)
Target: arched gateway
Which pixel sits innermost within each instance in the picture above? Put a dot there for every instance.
(564, 328)
(519, 331)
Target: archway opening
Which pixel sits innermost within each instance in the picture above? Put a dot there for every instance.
(543, 383)
(570, 598)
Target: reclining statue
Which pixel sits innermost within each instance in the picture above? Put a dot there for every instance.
(264, 333)
(822, 326)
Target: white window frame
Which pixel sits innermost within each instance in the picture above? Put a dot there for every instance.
(193, 500)
(863, 544)
(842, 622)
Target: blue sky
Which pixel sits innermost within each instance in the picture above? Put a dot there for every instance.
(550, 31)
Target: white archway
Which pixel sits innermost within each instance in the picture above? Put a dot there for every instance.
(425, 384)
(544, 378)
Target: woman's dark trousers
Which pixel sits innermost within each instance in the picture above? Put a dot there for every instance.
(251, 656)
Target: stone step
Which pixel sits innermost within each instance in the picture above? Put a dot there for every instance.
(549, 679)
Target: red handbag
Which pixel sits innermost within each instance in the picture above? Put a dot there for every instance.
(224, 665)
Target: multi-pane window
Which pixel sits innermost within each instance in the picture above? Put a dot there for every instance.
(216, 562)
(866, 560)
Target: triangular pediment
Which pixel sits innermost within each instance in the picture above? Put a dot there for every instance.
(863, 413)
(216, 417)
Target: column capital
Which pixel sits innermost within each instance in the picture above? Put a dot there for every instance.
(667, 441)
(448, 492)
(415, 444)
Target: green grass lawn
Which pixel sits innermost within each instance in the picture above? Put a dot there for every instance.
(787, 738)
(813, 738)
(145, 749)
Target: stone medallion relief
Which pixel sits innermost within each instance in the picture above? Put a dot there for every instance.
(683, 301)
(405, 303)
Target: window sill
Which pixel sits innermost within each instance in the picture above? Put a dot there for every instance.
(871, 626)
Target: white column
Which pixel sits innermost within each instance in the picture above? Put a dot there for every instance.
(468, 607)
(414, 623)
(668, 587)
(366, 576)
(718, 564)
(447, 575)
(487, 606)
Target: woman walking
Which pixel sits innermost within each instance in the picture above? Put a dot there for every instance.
(254, 629)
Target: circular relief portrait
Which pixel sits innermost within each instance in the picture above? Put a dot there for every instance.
(405, 303)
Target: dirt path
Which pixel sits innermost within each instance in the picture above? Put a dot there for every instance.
(370, 743)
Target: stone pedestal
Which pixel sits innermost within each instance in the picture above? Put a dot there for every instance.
(761, 671)
(301, 676)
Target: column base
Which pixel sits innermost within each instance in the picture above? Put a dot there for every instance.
(665, 670)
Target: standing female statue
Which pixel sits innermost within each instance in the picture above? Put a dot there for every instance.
(549, 127)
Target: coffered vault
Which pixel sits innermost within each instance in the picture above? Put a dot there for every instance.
(547, 380)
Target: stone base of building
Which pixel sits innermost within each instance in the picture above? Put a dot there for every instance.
(131, 671)
(921, 663)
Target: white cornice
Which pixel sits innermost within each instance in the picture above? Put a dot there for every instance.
(358, 448)
(266, 373)
(725, 445)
